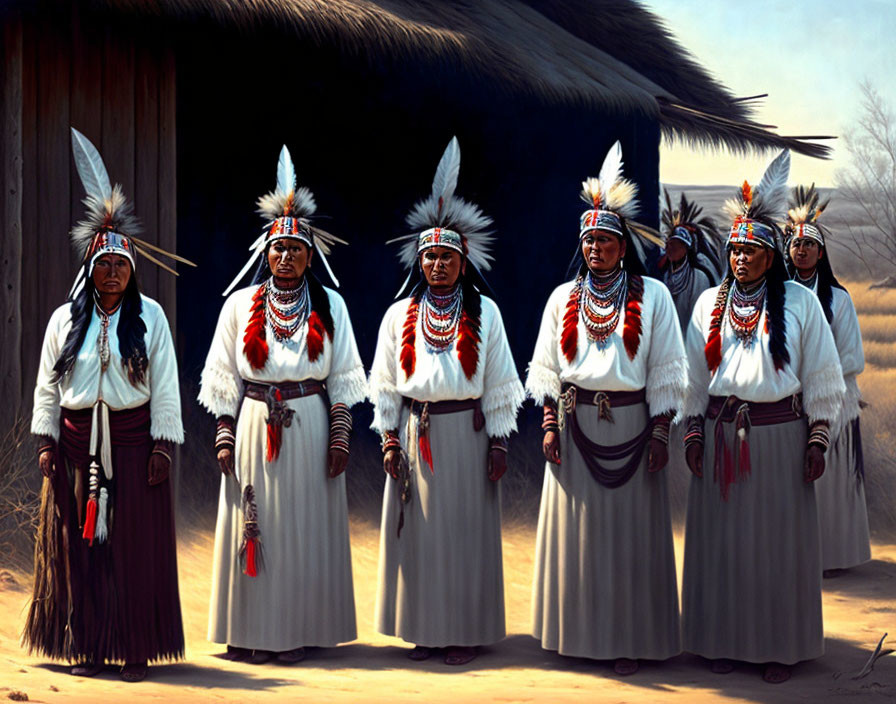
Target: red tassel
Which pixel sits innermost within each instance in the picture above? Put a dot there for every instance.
(631, 331)
(315, 336)
(90, 520)
(713, 349)
(275, 435)
(569, 338)
(743, 465)
(255, 346)
(251, 566)
(425, 450)
(468, 344)
(408, 340)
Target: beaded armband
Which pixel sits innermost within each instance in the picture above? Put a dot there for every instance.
(390, 441)
(551, 419)
(694, 434)
(225, 439)
(819, 434)
(340, 427)
(660, 430)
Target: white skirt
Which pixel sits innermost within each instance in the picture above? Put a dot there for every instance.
(442, 582)
(303, 593)
(752, 564)
(605, 584)
(842, 514)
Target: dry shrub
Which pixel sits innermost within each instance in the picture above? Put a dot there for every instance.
(878, 327)
(20, 481)
(878, 435)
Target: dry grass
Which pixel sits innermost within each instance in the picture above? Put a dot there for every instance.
(878, 436)
(20, 482)
(871, 301)
(880, 354)
(878, 327)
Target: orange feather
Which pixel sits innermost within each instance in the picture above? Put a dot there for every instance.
(255, 345)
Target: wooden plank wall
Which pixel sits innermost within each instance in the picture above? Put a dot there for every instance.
(116, 86)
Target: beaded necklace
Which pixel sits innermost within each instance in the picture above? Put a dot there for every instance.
(286, 309)
(603, 297)
(439, 318)
(678, 280)
(745, 311)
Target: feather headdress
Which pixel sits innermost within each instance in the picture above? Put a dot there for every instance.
(802, 216)
(110, 226)
(754, 209)
(699, 233)
(442, 219)
(287, 210)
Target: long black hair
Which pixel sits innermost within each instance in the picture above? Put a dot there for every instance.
(131, 330)
(320, 301)
(827, 282)
(695, 263)
(631, 262)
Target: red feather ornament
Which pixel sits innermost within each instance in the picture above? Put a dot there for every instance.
(468, 344)
(275, 435)
(255, 345)
(713, 349)
(569, 337)
(408, 355)
(315, 336)
(747, 194)
(631, 331)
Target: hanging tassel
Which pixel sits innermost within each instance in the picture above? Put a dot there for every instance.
(250, 549)
(90, 519)
(275, 431)
(102, 520)
(423, 437)
(468, 344)
(569, 338)
(255, 344)
(742, 423)
(408, 340)
(631, 330)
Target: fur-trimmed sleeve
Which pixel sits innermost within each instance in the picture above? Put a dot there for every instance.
(381, 386)
(46, 413)
(503, 394)
(821, 376)
(164, 382)
(697, 396)
(221, 386)
(543, 377)
(346, 382)
(667, 370)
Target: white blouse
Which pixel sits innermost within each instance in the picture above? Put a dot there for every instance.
(87, 382)
(749, 373)
(440, 377)
(659, 367)
(848, 338)
(226, 366)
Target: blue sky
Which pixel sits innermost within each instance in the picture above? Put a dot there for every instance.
(808, 56)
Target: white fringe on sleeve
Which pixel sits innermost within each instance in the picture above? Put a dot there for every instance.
(542, 383)
(386, 404)
(46, 422)
(667, 385)
(167, 426)
(500, 406)
(823, 393)
(696, 399)
(348, 387)
(221, 392)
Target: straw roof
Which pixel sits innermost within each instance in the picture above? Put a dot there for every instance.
(611, 54)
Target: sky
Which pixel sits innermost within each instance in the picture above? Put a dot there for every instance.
(809, 56)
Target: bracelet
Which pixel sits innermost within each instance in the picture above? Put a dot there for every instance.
(819, 434)
(390, 441)
(224, 435)
(551, 421)
(499, 444)
(163, 454)
(694, 434)
(661, 425)
(44, 449)
(340, 427)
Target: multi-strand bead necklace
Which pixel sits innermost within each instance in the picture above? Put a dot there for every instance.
(603, 298)
(286, 309)
(745, 310)
(439, 318)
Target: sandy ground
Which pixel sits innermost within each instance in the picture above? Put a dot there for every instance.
(859, 607)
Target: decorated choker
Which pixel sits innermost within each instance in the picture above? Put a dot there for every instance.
(286, 309)
(746, 309)
(439, 318)
(602, 302)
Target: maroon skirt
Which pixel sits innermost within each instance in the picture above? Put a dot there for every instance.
(115, 601)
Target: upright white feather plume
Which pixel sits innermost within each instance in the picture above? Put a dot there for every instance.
(770, 198)
(611, 170)
(91, 168)
(610, 191)
(286, 172)
(445, 181)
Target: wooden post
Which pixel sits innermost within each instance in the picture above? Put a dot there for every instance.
(11, 386)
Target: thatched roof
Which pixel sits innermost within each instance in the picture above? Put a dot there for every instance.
(612, 54)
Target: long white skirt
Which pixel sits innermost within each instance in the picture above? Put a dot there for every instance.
(605, 583)
(843, 516)
(303, 593)
(442, 582)
(752, 564)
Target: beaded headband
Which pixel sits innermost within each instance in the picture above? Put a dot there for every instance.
(288, 227)
(683, 234)
(110, 243)
(805, 231)
(747, 231)
(440, 237)
(600, 220)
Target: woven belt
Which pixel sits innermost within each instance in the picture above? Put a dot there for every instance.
(288, 389)
(422, 410)
(744, 415)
